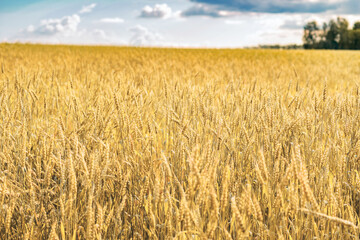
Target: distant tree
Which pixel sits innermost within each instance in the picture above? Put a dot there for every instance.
(354, 39)
(333, 35)
(277, 46)
(311, 35)
(356, 26)
(323, 44)
(343, 26)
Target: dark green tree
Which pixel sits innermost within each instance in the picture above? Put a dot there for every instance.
(354, 39)
(343, 26)
(323, 44)
(356, 26)
(311, 31)
(333, 35)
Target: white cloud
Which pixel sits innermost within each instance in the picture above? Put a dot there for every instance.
(96, 36)
(112, 20)
(158, 11)
(82, 36)
(292, 24)
(207, 11)
(66, 30)
(88, 8)
(30, 28)
(143, 37)
(279, 36)
(234, 22)
(66, 24)
(99, 33)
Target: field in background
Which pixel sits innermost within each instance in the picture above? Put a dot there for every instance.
(109, 143)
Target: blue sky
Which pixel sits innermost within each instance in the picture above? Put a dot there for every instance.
(174, 23)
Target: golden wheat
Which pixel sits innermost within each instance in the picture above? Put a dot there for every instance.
(145, 143)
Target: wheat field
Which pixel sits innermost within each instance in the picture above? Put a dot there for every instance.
(146, 143)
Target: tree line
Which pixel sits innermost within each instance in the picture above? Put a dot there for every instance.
(336, 34)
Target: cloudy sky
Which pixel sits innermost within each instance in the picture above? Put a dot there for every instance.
(175, 23)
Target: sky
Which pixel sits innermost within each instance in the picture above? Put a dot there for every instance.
(169, 23)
